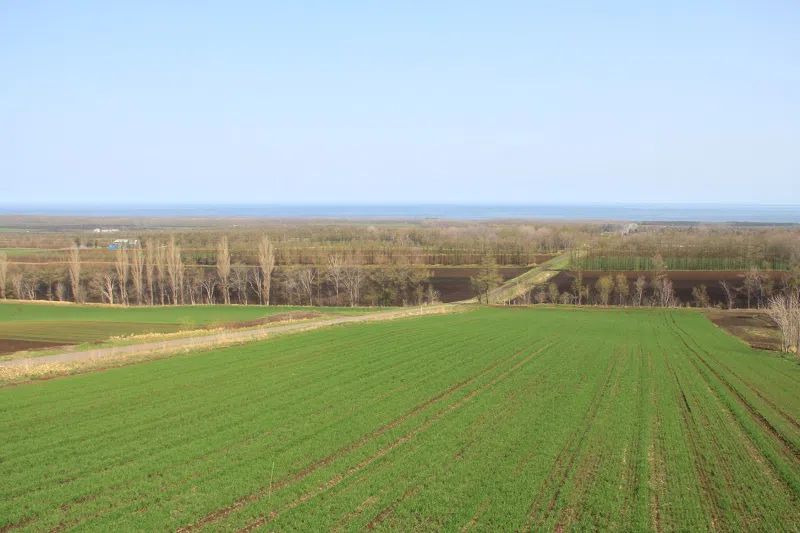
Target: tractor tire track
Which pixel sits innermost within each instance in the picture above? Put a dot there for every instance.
(789, 418)
(790, 447)
(566, 458)
(338, 478)
(341, 452)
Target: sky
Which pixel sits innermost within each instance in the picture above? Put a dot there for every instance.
(399, 102)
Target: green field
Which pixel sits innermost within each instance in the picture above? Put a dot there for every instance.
(492, 419)
(32, 325)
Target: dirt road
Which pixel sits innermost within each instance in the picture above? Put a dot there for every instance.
(224, 338)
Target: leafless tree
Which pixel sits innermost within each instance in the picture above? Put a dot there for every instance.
(700, 296)
(60, 291)
(432, 296)
(224, 268)
(122, 268)
(578, 287)
(540, 296)
(785, 311)
(621, 288)
(74, 268)
(239, 283)
(289, 286)
(553, 293)
(352, 280)
(307, 279)
(175, 270)
(754, 286)
(17, 282)
(104, 283)
(161, 271)
(665, 293)
(729, 295)
(639, 287)
(192, 285)
(604, 287)
(208, 284)
(487, 278)
(3, 274)
(256, 283)
(334, 273)
(266, 263)
(149, 270)
(137, 269)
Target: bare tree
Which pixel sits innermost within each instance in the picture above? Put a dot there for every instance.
(785, 311)
(149, 268)
(621, 288)
(161, 271)
(334, 272)
(224, 268)
(17, 282)
(256, 283)
(239, 283)
(266, 263)
(432, 295)
(639, 287)
(729, 295)
(175, 270)
(604, 286)
(208, 284)
(74, 268)
(665, 293)
(137, 269)
(103, 282)
(578, 287)
(192, 286)
(700, 296)
(540, 296)
(3, 274)
(122, 267)
(352, 280)
(487, 278)
(307, 278)
(60, 291)
(553, 293)
(754, 286)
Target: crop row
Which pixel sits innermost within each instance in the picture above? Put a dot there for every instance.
(493, 419)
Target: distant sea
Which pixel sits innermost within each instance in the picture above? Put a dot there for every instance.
(771, 214)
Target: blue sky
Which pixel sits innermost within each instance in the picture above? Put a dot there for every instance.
(351, 102)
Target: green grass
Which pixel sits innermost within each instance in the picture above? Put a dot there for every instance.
(500, 419)
(71, 324)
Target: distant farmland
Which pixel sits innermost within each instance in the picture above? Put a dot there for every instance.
(492, 419)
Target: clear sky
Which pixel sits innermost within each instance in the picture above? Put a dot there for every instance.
(366, 102)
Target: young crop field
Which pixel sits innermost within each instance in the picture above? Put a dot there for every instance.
(490, 419)
(41, 325)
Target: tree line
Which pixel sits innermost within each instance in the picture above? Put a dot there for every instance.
(156, 273)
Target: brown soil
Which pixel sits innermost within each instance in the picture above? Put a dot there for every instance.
(754, 327)
(683, 281)
(15, 345)
(271, 319)
(454, 284)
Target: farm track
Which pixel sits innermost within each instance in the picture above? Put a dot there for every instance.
(206, 341)
(488, 419)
